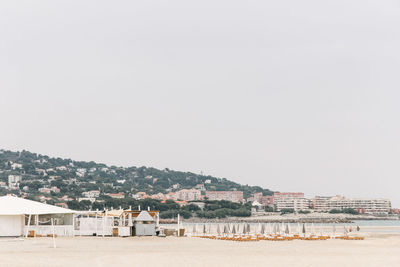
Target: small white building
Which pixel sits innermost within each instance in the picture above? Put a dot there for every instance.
(18, 216)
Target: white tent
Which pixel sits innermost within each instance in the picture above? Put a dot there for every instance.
(17, 215)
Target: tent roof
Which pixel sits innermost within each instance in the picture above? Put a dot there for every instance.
(115, 213)
(10, 205)
(144, 216)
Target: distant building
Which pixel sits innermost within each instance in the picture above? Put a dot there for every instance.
(116, 195)
(267, 201)
(49, 190)
(62, 168)
(201, 187)
(91, 199)
(3, 184)
(16, 166)
(91, 194)
(234, 196)
(362, 205)
(258, 197)
(14, 181)
(290, 200)
(188, 194)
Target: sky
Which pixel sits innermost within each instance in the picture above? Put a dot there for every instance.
(289, 95)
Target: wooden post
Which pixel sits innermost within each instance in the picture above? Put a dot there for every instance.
(29, 223)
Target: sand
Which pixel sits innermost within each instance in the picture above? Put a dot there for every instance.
(379, 249)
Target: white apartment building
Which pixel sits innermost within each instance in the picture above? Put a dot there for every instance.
(14, 181)
(291, 200)
(296, 204)
(91, 194)
(234, 196)
(188, 194)
(362, 205)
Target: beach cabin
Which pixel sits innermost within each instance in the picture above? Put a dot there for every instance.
(144, 224)
(22, 217)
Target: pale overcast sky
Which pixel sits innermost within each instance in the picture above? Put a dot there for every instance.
(289, 95)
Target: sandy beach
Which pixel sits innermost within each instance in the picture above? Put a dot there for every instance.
(378, 249)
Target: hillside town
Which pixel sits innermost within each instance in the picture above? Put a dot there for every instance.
(64, 182)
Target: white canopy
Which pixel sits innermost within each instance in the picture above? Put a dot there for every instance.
(144, 216)
(10, 205)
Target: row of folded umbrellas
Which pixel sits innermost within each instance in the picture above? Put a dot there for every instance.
(245, 228)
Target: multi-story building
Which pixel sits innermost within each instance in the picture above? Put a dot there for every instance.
(14, 181)
(116, 195)
(258, 197)
(49, 190)
(91, 194)
(290, 200)
(362, 205)
(234, 196)
(267, 201)
(296, 204)
(188, 194)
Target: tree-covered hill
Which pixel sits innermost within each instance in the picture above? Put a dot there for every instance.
(75, 177)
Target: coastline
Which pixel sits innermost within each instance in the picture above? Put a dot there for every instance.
(288, 218)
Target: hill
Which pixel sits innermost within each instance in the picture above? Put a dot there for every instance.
(72, 178)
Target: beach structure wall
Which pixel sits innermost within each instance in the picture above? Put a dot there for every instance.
(18, 216)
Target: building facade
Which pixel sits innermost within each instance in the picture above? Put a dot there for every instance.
(188, 194)
(362, 205)
(234, 196)
(290, 200)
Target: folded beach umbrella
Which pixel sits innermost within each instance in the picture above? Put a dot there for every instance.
(244, 228)
(225, 229)
(262, 231)
(304, 228)
(334, 230)
(194, 229)
(204, 229)
(298, 228)
(218, 230)
(248, 228)
(287, 229)
(233, 230)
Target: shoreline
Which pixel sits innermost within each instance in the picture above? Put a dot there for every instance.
(288, 218)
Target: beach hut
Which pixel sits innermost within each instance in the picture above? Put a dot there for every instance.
(20, 216)
(144, 224)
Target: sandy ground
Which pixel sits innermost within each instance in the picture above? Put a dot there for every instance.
(379, 249)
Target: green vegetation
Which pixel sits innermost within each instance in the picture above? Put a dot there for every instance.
(39, 171)
(223, 209)
(286, 211)
(169, 209)
(346, 211)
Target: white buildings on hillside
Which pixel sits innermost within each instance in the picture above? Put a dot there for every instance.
(14, 181)
(188, 194)
(91, 194)
(234, 196)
